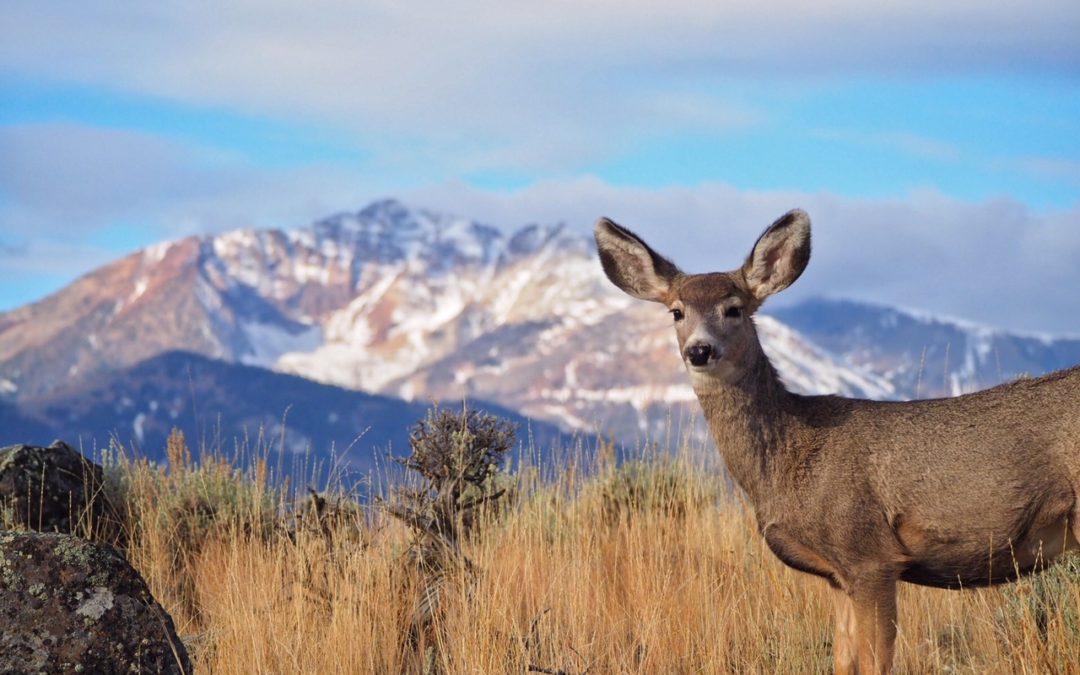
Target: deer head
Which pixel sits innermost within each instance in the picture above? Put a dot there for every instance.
(711, 311)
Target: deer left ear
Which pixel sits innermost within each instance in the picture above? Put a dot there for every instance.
(631, 265)
(779, 256)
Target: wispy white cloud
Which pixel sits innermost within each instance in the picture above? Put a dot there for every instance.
(435, 89)
(523, 76)
(65, 182)
(1055, 167)
(903, 141)
(75, 176)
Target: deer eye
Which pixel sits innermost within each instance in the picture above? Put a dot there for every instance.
(677, 313)
(733, 312)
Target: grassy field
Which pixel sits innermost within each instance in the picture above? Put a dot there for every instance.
(649, 567)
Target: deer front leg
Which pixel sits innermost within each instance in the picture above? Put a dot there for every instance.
(845, 653)
(865, 628)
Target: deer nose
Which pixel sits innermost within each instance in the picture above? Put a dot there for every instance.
(698, 354)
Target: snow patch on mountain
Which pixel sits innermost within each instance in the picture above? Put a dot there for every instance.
(155, 253)
(808, 369)
(268, 342)
(140, 288)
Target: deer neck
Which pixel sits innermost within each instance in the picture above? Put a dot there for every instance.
(750, 419)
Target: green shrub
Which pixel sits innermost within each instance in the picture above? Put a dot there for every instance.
(1046, 605)
(661, 485)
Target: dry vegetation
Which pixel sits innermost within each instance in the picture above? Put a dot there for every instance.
(649, 567)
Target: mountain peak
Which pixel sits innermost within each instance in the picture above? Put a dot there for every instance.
(388, 231)
(388, 210)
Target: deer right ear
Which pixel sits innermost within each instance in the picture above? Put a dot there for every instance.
(631, 264)
(779, 256)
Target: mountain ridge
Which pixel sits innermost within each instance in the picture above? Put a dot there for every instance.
(923, 354)
(236, 409)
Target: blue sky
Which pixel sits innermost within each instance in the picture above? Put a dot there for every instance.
(936, 145)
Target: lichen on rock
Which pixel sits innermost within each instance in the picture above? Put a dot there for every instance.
(72, 605)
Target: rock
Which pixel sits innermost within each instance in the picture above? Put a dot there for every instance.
(53, 489)
(69, 605)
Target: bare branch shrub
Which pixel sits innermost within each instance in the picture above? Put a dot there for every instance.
(458, 458)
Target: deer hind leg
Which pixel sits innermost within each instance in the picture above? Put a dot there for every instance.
(865, 628)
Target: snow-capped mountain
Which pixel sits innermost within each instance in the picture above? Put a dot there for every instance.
(425, 306)
(245, 295)
(527, 320)
(921, 355)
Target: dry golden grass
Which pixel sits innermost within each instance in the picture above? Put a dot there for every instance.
(656, 573)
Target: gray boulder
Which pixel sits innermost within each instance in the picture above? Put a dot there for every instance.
(54, 489)
(69, 605)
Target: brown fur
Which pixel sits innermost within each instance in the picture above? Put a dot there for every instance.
(967, 491)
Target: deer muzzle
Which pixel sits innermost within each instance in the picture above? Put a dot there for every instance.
(698, 354)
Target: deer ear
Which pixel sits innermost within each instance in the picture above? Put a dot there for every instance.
(779, 256)
(631, 264)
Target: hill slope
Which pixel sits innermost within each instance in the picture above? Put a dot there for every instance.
(231, 408)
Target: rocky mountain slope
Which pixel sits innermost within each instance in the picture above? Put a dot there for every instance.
(922, 355)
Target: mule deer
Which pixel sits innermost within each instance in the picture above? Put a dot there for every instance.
(967, 491)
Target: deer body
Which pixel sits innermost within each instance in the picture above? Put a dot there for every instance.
(958, 492)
